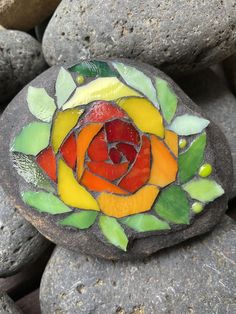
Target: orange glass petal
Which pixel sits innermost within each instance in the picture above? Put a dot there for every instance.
(68, 151)
(83, 140)
(98, 150)
(171, 139)
(108, 171)
(164, 166)
(97, 184)
(140, 172)
(121, 206)
(47, 161)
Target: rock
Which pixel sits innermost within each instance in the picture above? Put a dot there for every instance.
(229, 66)
(196, 277)
(208, 91)
(21, 59)
(20, 242)
(106, 231)
(177, 37)
(24, 15)
(7, 306)
(40, 29)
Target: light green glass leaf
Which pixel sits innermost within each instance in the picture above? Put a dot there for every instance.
(191, 159)
(137, 80)
(94, 69)
(45, 202)
(40, 104)
(167, 99)
(144, 222)
(203, 190)
(65, 86)
(27, 168)
(173, 206)
(188, 125)
(113, 232)
(32, 139)
(81, 220)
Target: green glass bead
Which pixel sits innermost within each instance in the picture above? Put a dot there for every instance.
(182, 143)
(197, 207)
(205, 170)
(80, 79)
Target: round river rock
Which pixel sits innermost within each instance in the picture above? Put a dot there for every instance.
(119, 164)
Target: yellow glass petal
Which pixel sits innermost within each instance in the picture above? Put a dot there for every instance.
(63, 124)
(71, 192)
(171, 139)
(104, 88)
(83, 140)
(121, 206)
(146, 117)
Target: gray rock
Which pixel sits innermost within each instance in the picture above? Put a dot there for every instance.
(7, 306)
(20, 242)
(209, 92)
(178, 37)
(198, 277)
(229, 66)
(21, 59)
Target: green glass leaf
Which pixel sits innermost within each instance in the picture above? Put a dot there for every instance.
(167, 99)
(27, 168)
(113, 232)
(191, 159)
(45, 202)
(93, 69)
(81, 220)
(40, 104)
(203, 190)
(32, 139)
(173, 206)
(65, 86)
(144, 222)
(137, 80)
(188, 124)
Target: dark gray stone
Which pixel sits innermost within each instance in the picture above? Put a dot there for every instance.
(229, 66)
(7, 306)
(213, 96)
(21, 60)
(198, 277)
(20, 242)
(176, 36)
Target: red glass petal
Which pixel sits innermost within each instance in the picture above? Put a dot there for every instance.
(140, 172)
(98, 150)
(47, 161)
(127, 150)
(68, 151)
(103, 111)
(121, 131)
(115, 155)
(108, 171)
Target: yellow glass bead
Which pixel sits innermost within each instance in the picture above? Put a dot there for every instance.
(182, 143)
(80, 79)
(197, 207)
(205, 170)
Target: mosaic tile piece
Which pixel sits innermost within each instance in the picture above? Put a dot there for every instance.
(81, 220)
(190, 161)
(115, 155)
(94, 69)
(205, 170)
(167, 99)
(47, 161)
(104, 88)
(182, 143)
(108, 171)
(188, 124)
(197, 207)
(144, 222)
(68, 151)
(39, 132)
(40, 104)
(98, 150)
(65, 86)
(173, 206)
(171, 140)
(127, 150)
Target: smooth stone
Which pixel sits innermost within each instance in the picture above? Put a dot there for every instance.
(198, 277)
(177, 37)
(24, 14)
(20, 242)
(7, 306)
(90, 241)
(229, 66)
(210, 92)
(21, 60)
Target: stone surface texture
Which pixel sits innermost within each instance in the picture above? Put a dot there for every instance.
(197, 277)
(176, 36)
(229, 66)
(24, 14)
(20, 242)
(7, 306)
(21, 59)
(213, 96)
